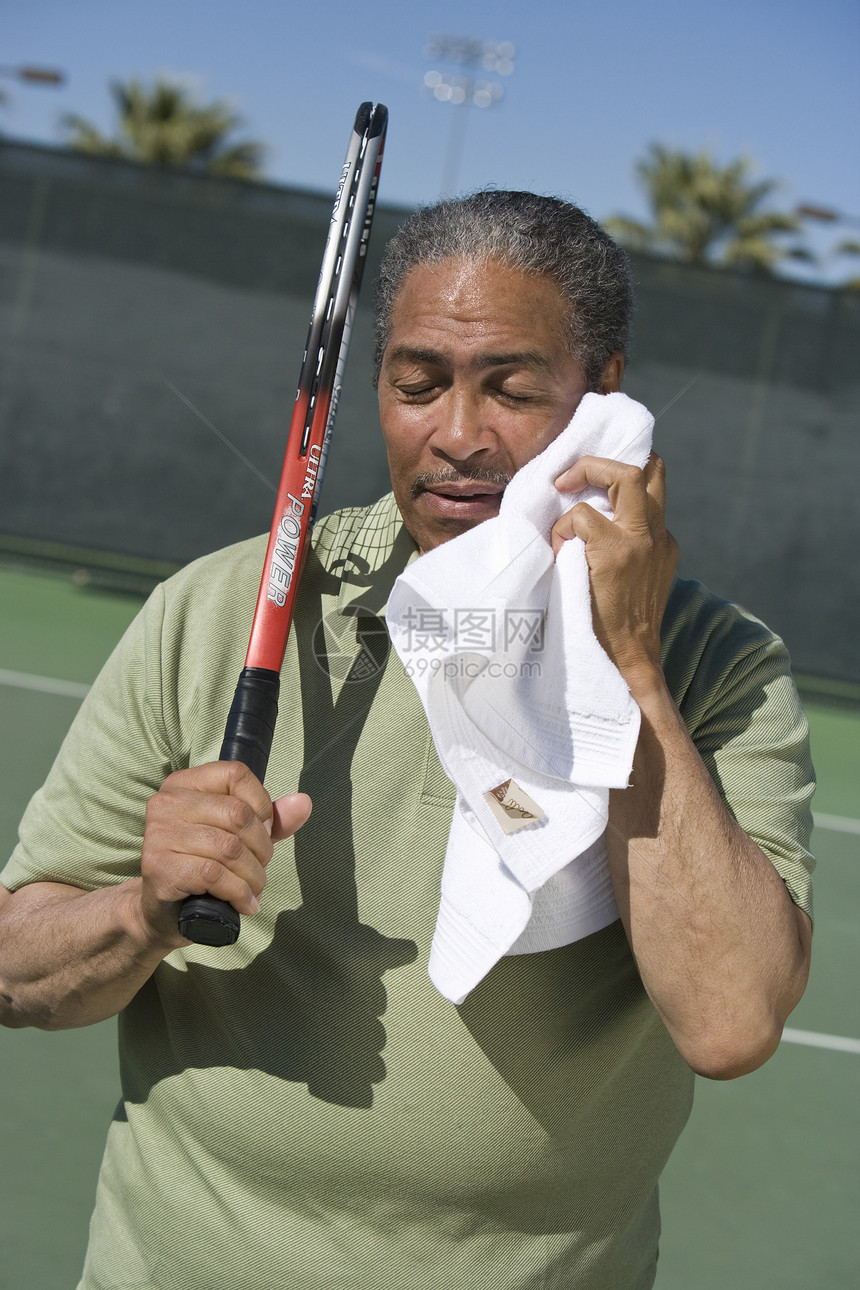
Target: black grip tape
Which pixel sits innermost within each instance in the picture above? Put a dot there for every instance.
(248, 739)
(251, 723)
(207, 921)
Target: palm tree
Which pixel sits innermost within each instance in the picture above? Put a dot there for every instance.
(704, 213)
(164, 126)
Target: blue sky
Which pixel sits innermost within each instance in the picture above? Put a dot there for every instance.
(592, 87)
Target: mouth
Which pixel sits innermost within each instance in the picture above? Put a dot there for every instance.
(468, 500)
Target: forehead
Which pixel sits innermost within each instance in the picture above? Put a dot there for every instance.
(467, 303)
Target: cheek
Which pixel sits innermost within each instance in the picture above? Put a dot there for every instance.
(401, 467)
(397, 450)
(531, 440)
(403, 437)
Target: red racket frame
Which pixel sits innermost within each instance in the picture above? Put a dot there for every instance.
(253, 714)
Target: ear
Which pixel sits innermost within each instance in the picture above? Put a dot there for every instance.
(610, 378)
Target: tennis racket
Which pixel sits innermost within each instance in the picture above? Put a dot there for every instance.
(253, 714)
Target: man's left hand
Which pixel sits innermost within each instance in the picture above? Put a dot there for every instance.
(631, 559)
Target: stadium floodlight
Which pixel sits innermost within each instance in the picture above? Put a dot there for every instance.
(35, 75)
(826, 215)
(464, 88)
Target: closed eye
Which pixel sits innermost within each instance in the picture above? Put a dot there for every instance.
(517, 393)
(510, 397)
(415, 393)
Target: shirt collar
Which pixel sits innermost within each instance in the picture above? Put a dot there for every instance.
(379, 553)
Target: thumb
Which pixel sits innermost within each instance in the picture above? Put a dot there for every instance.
(289, 814)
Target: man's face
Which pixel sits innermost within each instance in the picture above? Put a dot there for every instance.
(476, 380)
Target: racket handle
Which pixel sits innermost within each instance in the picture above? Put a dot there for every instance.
(207, 921)
(248, 739)
(251, 722)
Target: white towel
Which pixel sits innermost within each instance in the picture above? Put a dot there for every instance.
(497, 636)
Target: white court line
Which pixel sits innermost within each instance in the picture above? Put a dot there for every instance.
(78, 690)
(813, 1039)
(44, 684)
(839, 823)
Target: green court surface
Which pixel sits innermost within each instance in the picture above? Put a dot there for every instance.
(764, 1188)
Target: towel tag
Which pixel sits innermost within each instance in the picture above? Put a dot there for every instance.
(512, 806)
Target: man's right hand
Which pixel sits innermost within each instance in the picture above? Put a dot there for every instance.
(212, 829)
(70, 957)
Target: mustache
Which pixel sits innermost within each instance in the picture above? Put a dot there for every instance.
(438, 478)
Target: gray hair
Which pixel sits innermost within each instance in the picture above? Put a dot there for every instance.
(541, 235)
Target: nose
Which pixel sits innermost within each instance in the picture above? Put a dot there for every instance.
(462, 429)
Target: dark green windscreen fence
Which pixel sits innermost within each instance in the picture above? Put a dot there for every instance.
(152, 328)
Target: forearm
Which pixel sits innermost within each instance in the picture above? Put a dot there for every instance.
(69, 957)
(721, 948)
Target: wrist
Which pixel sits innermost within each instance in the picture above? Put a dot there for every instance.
(645, 680)
(154, 938)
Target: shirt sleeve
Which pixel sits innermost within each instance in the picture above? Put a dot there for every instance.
(158, 705)
(84, 827)
(731, 679)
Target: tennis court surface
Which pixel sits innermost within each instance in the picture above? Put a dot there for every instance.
(762, 1192)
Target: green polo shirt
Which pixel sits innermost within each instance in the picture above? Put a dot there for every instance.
(303, 1111)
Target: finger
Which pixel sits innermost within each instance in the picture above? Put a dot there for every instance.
(599, 472)
(231, 778)
(290, 813)
(246, 850)
(178, 811)
(240, 785)
(581, 521)
(624, 483)
(197, 860)
(239, 886)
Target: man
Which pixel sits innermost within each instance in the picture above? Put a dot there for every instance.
(304, 1110)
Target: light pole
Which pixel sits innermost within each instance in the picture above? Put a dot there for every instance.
(35, 75)
(464, 89)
